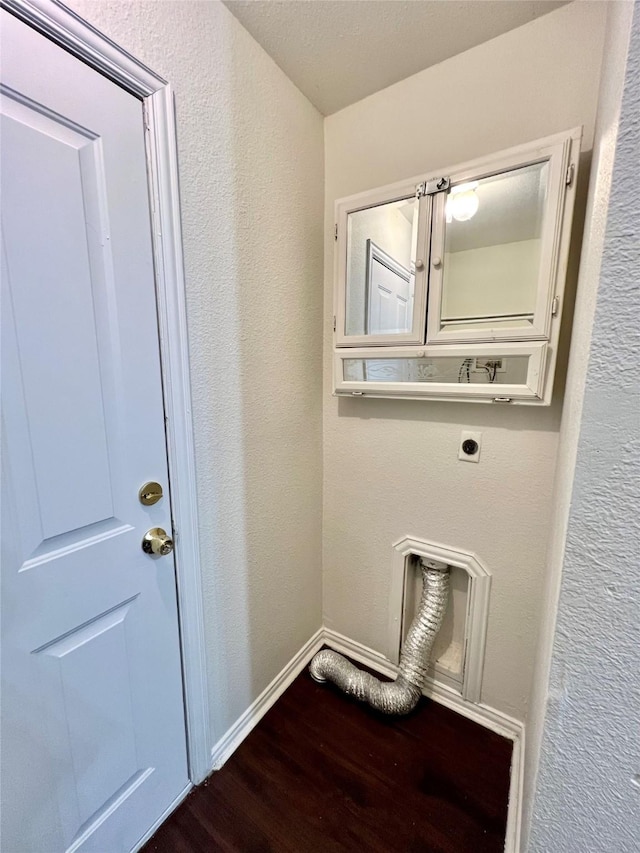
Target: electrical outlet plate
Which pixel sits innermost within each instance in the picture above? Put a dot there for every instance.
(465, 436)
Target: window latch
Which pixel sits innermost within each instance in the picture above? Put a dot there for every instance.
(433, 186)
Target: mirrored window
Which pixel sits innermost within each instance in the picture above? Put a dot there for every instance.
(485, 370)
(492, 250)
(381, 248)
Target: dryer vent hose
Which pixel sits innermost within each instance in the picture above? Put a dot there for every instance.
(399, 696)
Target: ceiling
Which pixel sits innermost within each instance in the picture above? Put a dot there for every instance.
(339, 51)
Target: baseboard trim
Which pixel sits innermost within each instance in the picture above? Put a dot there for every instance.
(482, 714)
(232, 739)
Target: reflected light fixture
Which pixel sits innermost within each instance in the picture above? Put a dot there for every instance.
(463, 202)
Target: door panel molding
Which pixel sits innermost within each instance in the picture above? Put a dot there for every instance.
(68, 30)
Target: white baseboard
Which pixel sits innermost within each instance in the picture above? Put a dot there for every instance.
(232, 739)
(486, 716)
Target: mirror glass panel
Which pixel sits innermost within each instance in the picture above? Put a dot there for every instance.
(493, 238)
(480, 370)
(381, 249)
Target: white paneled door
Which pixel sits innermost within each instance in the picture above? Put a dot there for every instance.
(93, 731)
(389, 300)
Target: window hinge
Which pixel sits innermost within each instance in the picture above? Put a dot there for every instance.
(554, 306)
(335, 231)
(571, 170)
(502, 399)
(334, 322)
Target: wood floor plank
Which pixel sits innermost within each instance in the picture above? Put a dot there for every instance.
(322, 773)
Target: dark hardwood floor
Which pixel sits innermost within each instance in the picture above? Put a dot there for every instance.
(322, 772)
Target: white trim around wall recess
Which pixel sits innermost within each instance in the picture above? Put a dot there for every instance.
(479, 591)
(65, 28)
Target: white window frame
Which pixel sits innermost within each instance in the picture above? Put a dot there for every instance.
(559, 151)
(394, 192)
(540, 340)
(532, 390)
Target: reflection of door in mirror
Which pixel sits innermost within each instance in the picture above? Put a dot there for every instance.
(381, 246)
(492, 249)
(389, 293)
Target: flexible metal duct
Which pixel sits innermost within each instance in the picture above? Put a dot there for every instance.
(399, 696)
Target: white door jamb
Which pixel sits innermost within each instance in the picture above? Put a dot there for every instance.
(65, 28)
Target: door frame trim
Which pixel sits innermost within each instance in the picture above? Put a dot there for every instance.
(65, 28)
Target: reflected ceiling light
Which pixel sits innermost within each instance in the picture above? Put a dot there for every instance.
(463, 202)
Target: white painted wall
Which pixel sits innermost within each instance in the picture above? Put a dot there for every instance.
(561, 694)
(490, 280)
(390, 466)
(251, 171)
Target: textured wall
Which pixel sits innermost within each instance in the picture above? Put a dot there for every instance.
(619, 16)
(390, 467)
(251, 160)
(587, 795)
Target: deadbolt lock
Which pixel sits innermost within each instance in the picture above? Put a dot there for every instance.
(150, 494)
(157, 541)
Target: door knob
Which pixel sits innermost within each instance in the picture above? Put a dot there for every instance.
(156, 541)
